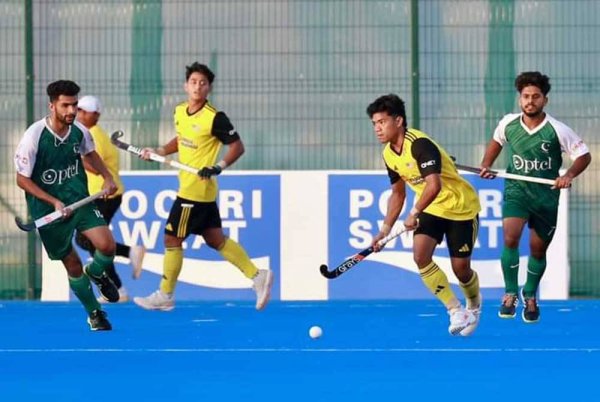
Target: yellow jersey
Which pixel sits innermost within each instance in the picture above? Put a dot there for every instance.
(421, 156)
(110, 156)
(199, 140)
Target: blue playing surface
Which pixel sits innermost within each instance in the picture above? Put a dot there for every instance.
(370, 351)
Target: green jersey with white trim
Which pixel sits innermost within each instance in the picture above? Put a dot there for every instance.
(54, 164)
(536, 153)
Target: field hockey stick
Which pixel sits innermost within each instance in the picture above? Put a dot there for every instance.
(510, 176)
(355, 259)
(114, 138)
(56, 215)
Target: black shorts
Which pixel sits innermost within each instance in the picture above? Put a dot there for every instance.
(460, 235)
(191, 217)
(108, 207)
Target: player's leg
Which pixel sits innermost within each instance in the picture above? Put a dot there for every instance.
(104, 206)
(135, 253)
(82, 288)
(182, 218)
(234, 253)
(56, 239)
(541, 230)
(515, 213)
(92, 225)
(163, 299)
(461, 237)
(426, 238)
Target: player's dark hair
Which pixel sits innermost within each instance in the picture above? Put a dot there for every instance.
(534, 78)
(62, 87)
(391, 104)
(203, 69)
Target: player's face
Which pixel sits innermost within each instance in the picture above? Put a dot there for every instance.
(64, 109)
(89, 119)
(532, 101)
(386, 127)
(197, 87)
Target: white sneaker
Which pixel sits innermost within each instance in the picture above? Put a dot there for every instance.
(460, 319)
(476, 310)
(263, 281)
(123, 296)
(156, 301)
(136, 258)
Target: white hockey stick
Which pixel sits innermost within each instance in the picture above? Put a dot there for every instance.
(504, 175)
(114, 138)
(56, 215)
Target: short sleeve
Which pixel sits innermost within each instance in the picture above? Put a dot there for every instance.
(223, 129)
(427, 155)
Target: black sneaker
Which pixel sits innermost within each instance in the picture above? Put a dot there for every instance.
(98, 321)
(531, 311)
(106, 286)
(508, 308)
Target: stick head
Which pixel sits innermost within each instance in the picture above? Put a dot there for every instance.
(26, 227)
(326, 273)
(114, 137)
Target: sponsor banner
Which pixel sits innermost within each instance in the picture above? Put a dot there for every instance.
(291, 223)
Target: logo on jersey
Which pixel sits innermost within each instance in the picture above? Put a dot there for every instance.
(428, 163)
(527, 165)
(76, 148)
(53, 176)
(415, 180)
(545, 147)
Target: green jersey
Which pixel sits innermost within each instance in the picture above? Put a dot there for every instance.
(54, 164)
(536, 153)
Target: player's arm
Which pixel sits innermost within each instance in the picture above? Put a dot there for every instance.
(30, 187)
(25, 158)
(429, 161)
(225, 132)
(95, 162)
(578, 152)
(169, 148)
(495, 145)
(578, 166)
(492, 151)
(394, 207)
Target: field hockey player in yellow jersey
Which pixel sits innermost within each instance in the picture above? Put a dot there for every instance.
(201, 131)
(446, 205)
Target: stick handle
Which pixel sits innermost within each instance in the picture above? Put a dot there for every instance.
(51, 217)
(504, 175)
(397, 230)
(153, 156)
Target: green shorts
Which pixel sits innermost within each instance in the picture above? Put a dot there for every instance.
(540, 217)
(57, 237)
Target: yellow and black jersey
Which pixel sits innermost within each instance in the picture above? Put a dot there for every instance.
(199, 139)
(420, 157)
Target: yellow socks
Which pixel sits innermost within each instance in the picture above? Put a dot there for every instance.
(171, 268)
(235, 254)
(436, 281)
(471, 291)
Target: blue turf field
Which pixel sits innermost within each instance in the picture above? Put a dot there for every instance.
(370, 351)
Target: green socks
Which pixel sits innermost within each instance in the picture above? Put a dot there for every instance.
(83, 290)
(99, 263)
(510, 269)
(535, 271)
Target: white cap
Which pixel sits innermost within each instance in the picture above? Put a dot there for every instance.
(89, 104)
